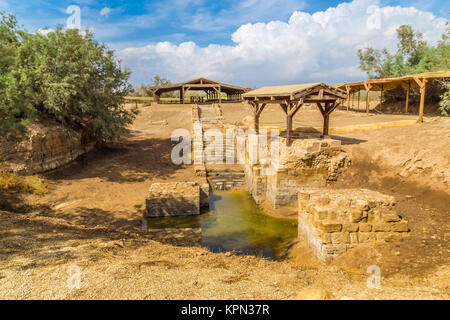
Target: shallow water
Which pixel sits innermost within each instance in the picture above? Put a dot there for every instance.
(236, 224)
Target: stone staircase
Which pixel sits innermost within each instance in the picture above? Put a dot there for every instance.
(207, 114)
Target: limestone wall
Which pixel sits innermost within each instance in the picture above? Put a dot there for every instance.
(226, 178)
(305, 164)
(334, 221)
(45, 147)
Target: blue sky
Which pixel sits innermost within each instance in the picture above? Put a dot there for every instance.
(126, 25)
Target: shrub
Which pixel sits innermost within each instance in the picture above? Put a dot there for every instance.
(63, 75)
(444, 104)
(30, 184)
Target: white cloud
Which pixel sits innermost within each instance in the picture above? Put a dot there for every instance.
(105, 11)
(308, 47)
(45, 31)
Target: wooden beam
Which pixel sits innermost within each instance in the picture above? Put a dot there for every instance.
(408, 89)
(359, 97)
(321, 109)
(288, 130)
(420, 83)
(368, 86)
(284, 107)
(295, 107)
(381, 98)
(326, 120)
(347, 88)
(422, 99)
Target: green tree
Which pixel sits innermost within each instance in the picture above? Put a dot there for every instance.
(15, 112)
(64, 76)
(413, 55)
(411, 49)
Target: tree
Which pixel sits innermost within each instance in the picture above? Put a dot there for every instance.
(413, 55)
(158, 81)
(65, 76)
(15, 112)
(411, 49)
(410, 44)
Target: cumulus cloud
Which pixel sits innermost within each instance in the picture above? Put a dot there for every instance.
(308, 47)
(105, 11)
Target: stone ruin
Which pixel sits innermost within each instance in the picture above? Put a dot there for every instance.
(176, 199)
(306, 163)
(334, 221)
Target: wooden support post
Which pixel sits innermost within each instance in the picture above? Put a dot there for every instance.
(381, 98)
(220, 96)
(326, 121)
(423, 86)
(288, 130)
(368, 86)
(136, 103)
(182, 95)
(408, 89)
(256, 121)
(348, 97)
(359, 97)
(156, 97)
(353, 99)
(257, 109)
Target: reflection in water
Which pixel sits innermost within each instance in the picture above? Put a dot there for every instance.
(236, 224)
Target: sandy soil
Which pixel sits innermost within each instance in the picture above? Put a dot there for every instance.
(91, 219)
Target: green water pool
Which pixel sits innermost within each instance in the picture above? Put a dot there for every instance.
(235, 223)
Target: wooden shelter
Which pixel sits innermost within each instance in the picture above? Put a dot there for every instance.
(291, 98)
(420, 80)
(213, 90)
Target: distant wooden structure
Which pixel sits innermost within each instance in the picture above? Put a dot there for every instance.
(291, 98)
(212, 88)
(382, 85)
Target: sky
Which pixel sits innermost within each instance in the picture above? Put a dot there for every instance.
(248, 42)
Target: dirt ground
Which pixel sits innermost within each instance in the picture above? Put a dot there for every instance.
(91, 220)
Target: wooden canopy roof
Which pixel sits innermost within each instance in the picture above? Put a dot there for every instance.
(307, 91)
(291, 98)
(391, 83)
(414, 80)
(201, 84)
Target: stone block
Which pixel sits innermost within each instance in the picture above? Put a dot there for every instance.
(401, 226)
(365, 227)
(364, 237)
(354, 216)
(350, 227)
(382, 226)
(173, 199)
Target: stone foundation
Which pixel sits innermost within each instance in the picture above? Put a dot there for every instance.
(173, 199)
(334, 221)
(307, 163)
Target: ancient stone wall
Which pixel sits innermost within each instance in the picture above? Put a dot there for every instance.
(46, 146)
(334, 221)
(306, 163)
(173, 199)
(225, 178)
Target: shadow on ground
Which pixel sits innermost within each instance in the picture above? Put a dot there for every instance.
(132, 160)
